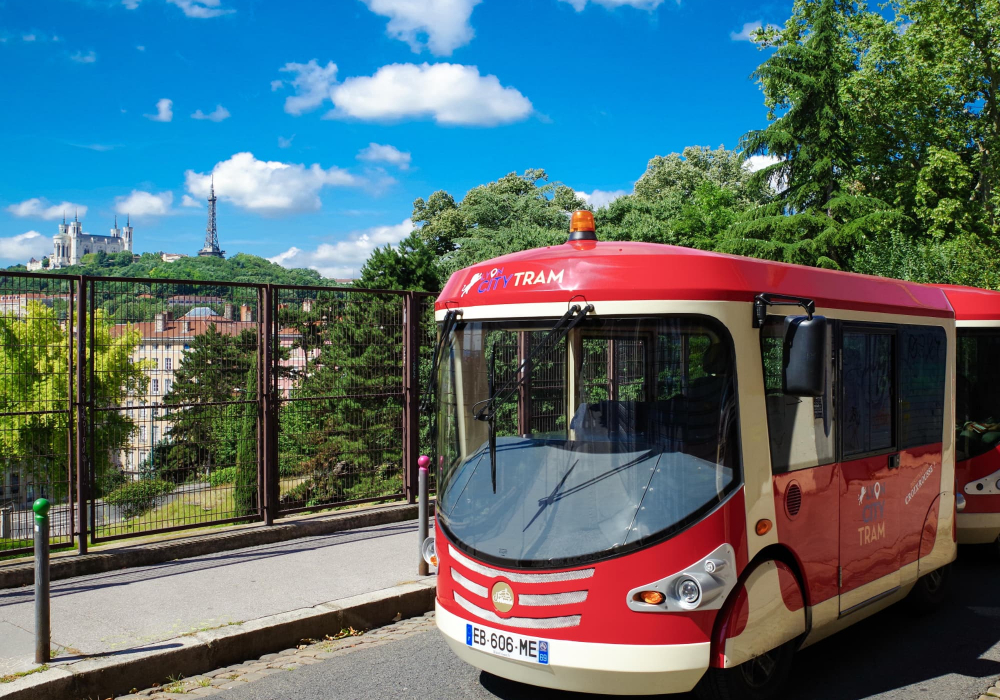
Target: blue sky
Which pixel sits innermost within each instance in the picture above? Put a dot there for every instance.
(323, 120)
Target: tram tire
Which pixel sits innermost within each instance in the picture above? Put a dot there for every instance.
(930, 590)
(761, 678)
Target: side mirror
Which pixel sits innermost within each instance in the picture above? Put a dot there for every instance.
(803, 363)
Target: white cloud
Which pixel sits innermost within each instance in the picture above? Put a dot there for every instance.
(201, 9)
(277, 85)
(448, 93)
(378, 153)
(778, 181)
(39, 208)
(445, 23)
(29, 37)
(312, 85)
(600, 198)
(755, 163)
(131, 4)
(285, 143)
(140, 48)
(345, 258)
(218, 115)
(268, 187)
(746, 34)
(579, 5)
(79, 57)
(25, 246)
(191, 202)
(164, 111)
(142, 203)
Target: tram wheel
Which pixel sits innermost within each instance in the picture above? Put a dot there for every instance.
(760, 678)
(931, 590)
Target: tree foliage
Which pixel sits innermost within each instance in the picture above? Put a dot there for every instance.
(34, 390)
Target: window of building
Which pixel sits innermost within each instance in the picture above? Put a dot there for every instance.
(868, 391)
(142, 433)
(155, 386)
(167, 383)
(168, 364)
(155, 363)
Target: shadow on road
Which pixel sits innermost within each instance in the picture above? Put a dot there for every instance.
(939, 655)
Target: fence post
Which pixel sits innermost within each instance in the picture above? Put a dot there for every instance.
(268, 433)
(43, 634)
(81, 422)
(411, 393)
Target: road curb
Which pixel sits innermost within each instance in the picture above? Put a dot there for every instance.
(117, 673)
(16, 575)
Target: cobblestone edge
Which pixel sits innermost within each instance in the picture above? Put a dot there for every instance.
(305, 654)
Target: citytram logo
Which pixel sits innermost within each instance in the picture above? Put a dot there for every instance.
(484, 282)
(503, 597)
(872, 502)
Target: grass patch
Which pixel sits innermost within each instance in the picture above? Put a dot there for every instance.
(190, 508)
(12, 544)
(11, 677)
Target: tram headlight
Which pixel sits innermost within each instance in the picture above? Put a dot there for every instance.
(687, 590)
(428, 551)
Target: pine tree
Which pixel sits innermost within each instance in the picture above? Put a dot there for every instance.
(213, 371)
(817, 219)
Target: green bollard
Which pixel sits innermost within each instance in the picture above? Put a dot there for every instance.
(42, 621)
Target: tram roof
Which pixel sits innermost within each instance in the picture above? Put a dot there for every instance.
(972, 303)
(625, 271)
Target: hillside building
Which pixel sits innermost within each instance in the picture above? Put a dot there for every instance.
(71, 243)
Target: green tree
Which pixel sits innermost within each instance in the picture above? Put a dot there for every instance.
(245, 490)
(817, 219)
(34, 389)
(199, 405)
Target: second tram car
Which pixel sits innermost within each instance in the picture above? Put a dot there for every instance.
(662, 468)
(977, 420)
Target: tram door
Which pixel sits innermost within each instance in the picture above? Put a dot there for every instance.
(870, 539)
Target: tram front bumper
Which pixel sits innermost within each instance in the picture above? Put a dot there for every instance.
(590, 667)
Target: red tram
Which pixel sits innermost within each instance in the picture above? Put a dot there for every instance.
(977, 419)
(662, 468)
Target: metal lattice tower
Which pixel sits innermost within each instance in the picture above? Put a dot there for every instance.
(211, 247)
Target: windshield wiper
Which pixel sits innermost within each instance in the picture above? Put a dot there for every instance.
(450, 321)
(488, 412)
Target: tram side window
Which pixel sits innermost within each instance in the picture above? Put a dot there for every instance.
(977, 400)
(923, 354)
(800, 429)
(868, 390)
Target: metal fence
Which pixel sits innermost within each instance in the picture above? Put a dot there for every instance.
(156, 405)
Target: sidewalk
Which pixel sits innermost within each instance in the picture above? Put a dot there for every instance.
(111, 613)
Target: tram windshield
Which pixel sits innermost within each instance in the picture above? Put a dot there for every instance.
(618, 435)
(978, 392)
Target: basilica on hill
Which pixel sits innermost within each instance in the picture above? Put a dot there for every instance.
(71, 244)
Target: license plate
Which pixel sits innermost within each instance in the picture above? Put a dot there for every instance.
(512, 646)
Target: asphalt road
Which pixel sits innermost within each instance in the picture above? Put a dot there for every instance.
(952, 654)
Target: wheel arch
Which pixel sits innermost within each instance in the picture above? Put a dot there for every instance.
(725, 619)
